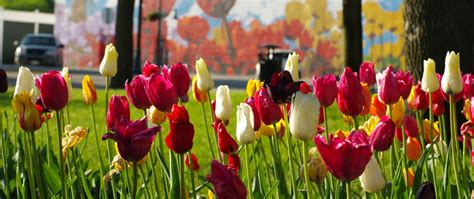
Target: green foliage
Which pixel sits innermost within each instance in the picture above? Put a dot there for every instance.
(29, 5)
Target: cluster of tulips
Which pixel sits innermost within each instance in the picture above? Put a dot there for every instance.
(387, 144)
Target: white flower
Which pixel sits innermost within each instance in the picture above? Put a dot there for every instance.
(372, 179)
(292, 66)
(26, 82)
(204, 79)
(108, 65)
(223, 103)
(304, 116)
(66, 76)
(244, 129)
(451, 83)
(429, 81)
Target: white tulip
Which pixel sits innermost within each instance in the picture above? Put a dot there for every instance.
(204, 79)
(244, 129)
(452, 83)
(108, 65)
(429, 81)
(65, 74)
(223, 103)
(26, 82)
(372, 179)
(292, 66)
(304, 116)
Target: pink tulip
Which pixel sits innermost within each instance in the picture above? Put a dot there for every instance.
(389, 92)
(325, 88)
(405, 82)
(268, 110)
(350, 98)
(53, 90)
(367, 73)
(161, 92)
(136, 92)
(179, 76)
(382, 136)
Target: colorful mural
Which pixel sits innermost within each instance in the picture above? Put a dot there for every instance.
(228, 33)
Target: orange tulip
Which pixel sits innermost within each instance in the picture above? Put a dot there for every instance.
(426, 130)
(198, 94)
(413, 149)
(377, 108)
(367, 101)
(411, 176)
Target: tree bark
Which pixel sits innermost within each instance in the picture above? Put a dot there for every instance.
(124, 43)
(352, 20)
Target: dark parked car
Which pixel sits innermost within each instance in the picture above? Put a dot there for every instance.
(39, 49)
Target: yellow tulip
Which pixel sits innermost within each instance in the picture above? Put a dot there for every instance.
(72, 138)
(398, 112)
(28, 116)
(198, 94)
(292, 66)
(426, 130)
(67, 79)
(466, 110)
(89, 93)
(204, 79)
(155, 116)
(429, 81)
(370, 124)
(108, 65)
(253, 85)
(268, 130)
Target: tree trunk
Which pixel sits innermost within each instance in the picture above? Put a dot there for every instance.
(434, 27)
(124, 42)
(352, 19)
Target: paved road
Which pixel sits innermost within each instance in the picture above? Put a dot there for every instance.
(235, 82)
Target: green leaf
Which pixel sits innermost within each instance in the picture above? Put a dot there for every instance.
(419, 168)
(174, 178)
(52, 178)
(275, 183)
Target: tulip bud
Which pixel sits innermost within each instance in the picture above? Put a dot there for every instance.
(179, 76)
(350, 99)
(89, 93)
(136, 92)
(204, 79)
(410, 176)
(405, 82)
(451, 83)
(325, 88)
(367, 100)
(161, 92)
(223, 103)
(150, 69)
(155, 116)
(67, 78)
(3, 81)
(367, 73)
(372, 179)
(429, 81)
(468, 87)
(194, 160)
(118, 111)
(253, 85)
(28, 116)
(377, 108)
(26, 82)
(413, 149)
(225, 142)
(233, 162)
(53, 90)
(316, 169)
(245, 132)
(108, 65)
(257, 122)
(198, 94)
(181, 135)
(269, 112)
(381, 137)
(420, 98)
(292, 65)
(426, 130)
(304, 116)
(389, 91)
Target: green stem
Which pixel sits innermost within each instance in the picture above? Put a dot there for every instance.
(356, 122)
(348, 190)
(289, 144)
(29, 164)
(78, 164)
(48, 140)
(5, 165)
(190, 158)
(135, 179)
(67, 113)
(430, 101)
(247, 168)
(453, 141)
(207, 130)
(274, 163)
(215, 133)
(155, 178)
(101, 161)
(392, 172)
(38, 167)
(109, 150)
(305, 168)
(181, 174)
(326, 124)
(61, 160)
(405, 162)
(145, 181)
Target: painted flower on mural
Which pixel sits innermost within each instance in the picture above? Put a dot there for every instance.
(193, 29)
(293, 29)
(216, 8)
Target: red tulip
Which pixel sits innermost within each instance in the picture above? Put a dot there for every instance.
(257, 122)
(345, 158)
(136, 92)
(420, 98)
(233, 162)
(195, 162)
(471, 109)
(472, 157)
(149, 69)
(53, 90)
(367, 73)
(382, 136)
(269, 112)
(350, 98)
(398, 134)
(405, 82)
(389, 92)
(134, 139)
(411, 127)
(226, 183)
(438, 108)
(282, 87)
(179, 76)
(161, 92)
(118, 111)
(304, 88)
(325, 88)
(468, 90)
(181, 135)
(225, 142)
(3, 81)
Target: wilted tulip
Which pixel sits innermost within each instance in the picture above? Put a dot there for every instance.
(3, 81)
(26, 82)
(245, 131)
(155, 116)
(226, 183)
(108, 65)
(304, 116)
(72, 137)
(389, 91)
(413, 149)
(268, 110)
(89, 93)
(28, 116)
(179, 76)
(225, 142)
(468, 88)
(377, 108)
(204, 79)
(292, 65)
(67, 78)
(372, 179)
(134, 139)
(136, 92)
(350, 98)
(282, 87)
(53, 90)
(325, 88)
(429, 82)
(181, 135)
(118, 111)
(316, 169)
(367, 73)
(452, 83)
(198, 94)
(335, 152)
(257, 122)
(223, 103)
(381, 137)
(194, 160)
(405, 82)
(161, 92)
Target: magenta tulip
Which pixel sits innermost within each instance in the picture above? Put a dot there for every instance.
(161, 92)
(118, 111)
(411, 127)
(53, 90)
(256, 116)
(136, 92)
(226, 183)
(405, 82)
(389, 92)
(381, 137)
(179, 76)
(367, 73)
(325, 88)
(268, 110)
(350, 98)
(468, 89)
(150, 69)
